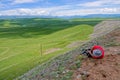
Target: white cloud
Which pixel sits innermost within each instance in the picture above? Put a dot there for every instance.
(24, 11)
(23, 1)
(100, 3)
(66, 10)
(92, 4)
(59, 11)
(87, 11)
(110, 10)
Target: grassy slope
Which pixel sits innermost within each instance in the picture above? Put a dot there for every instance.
(21, 40)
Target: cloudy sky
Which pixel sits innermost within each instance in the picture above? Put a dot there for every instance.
(59, 7)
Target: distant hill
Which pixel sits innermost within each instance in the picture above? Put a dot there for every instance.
(75, 16)
(97, 16)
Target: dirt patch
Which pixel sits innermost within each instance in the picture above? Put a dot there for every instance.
(112, 50)
(107, 68)
(52, 50)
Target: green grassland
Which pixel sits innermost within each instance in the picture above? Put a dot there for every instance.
(24, 42)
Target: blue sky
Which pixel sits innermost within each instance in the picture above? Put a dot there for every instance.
(59, 7)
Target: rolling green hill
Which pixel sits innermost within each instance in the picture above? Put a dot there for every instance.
(26, 43)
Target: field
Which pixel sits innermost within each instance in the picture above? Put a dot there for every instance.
(26, 43)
